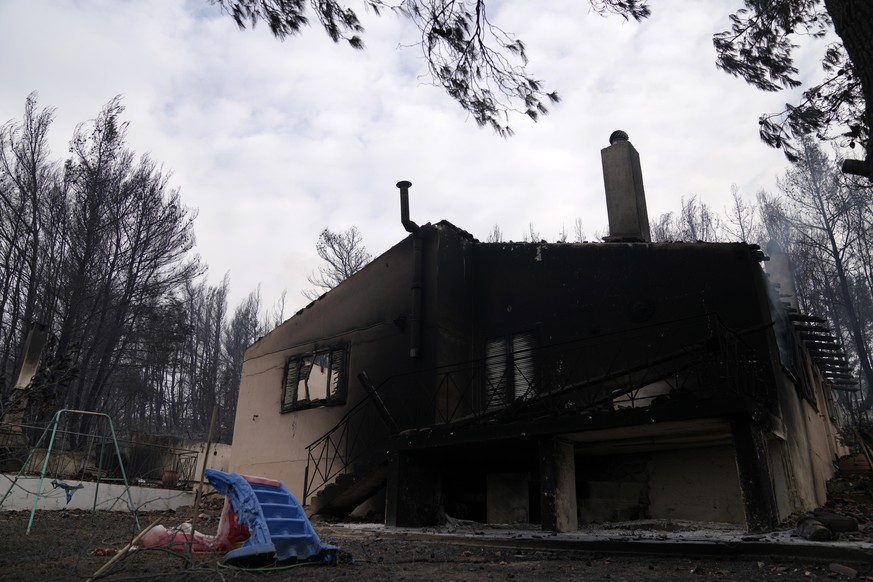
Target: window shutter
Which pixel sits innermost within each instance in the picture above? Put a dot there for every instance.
(337, 384)
(522, 358)
(289, 390)
(495, 373)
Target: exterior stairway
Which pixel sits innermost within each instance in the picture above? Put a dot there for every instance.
(348, 491)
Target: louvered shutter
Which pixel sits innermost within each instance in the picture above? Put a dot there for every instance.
(337, 385)
(523, 365)
(289, 390)
(495, 373)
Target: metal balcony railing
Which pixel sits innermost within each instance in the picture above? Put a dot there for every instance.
(693, 358)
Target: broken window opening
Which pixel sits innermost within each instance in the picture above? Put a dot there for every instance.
(316, 378)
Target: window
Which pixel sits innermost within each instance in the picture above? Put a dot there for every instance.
(317, 378)
(509, 369)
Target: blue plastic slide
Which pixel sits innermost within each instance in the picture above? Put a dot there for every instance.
(280, 530)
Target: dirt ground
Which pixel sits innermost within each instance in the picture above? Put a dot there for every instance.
(62, 546)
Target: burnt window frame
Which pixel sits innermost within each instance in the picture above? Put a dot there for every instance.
(337, 366)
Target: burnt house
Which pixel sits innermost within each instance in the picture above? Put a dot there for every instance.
(549, 383)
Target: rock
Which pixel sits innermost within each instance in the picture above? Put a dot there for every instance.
(812, 529)
(835, 522)
(844, 570)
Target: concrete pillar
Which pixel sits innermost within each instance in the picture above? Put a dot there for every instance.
(558, 486)
(412, 497)
(753, 468)
(625, 196)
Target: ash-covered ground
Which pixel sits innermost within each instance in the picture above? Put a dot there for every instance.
(67, 546)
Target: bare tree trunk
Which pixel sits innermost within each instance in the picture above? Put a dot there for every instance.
(853, 22)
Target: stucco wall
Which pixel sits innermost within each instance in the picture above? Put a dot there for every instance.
(219, 455)
(802, 453)
(266, 442)
(697, 484)
(110, 496)
(368, 312)
(829, 445)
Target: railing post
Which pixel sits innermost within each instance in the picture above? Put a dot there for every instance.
(306, 482)
(380, 405)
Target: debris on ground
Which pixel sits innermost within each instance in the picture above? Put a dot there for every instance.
(844, 570)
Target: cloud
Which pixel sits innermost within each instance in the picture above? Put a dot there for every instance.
(273, 141)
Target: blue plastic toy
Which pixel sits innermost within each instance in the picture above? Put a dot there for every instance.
(68, 489)
(280, 530)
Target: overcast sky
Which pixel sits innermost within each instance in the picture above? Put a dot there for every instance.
(272, 141)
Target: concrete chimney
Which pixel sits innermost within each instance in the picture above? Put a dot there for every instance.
(625, 197)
